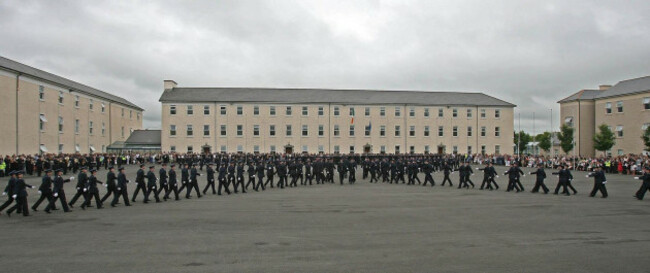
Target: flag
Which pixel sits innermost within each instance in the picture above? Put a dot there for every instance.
(369, 125)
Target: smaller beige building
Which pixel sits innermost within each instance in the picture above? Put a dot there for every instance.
(624, 107)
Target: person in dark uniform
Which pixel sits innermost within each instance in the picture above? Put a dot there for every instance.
(564, 176)
(250, 170)
(293, 169)
(259, 169)
(240, 177)
(193, 183)
(9, 191)
(599, 182)
(58, 192)
(173, 183)
(111, 184)
(539, 180)
(282, 174)
(151, 185)
(232, 172)
(210, 180)
(121, 189)
(427, 169)
(139, 183)
(269, 174)
(342, 168)
(20, 195)
(309, 176)
(513, 178)
(352, 170)
(446, 170)
(486, 176)
(468, 173)
(92, 191)
(82, 179)
(164, 184)
(645, 185)
(223, 172)
(185, 179)
(45, 190)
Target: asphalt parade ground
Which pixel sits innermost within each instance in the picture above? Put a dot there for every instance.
(351, 228)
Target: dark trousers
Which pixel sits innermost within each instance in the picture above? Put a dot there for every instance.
(260, 183)
(645, 187)
(139, 186)
(172, 188)
(185, 184)
(91, 195)
(540, 184)
(21, 205)
(44, 195)
(599, 187)
(125, 197)
(208, 185)
(164, 187)
(7, 203)
(251, 181)
(109, 192)
(513, 184)
(447, 179)
(428, 178)
(485, 183)
(150, 189)
(195, 186)
(341, 177)
(79, 193)
(308, 178)
(223, 183)
(61, 197)
(373, 177)
(282, 182)
(563, 185)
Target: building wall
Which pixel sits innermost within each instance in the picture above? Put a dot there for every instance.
(583, 124)
(30, 106)
(328, 142)
(633, 118)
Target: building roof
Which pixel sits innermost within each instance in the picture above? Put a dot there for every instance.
(144, 137)
(586, 94)
(338, 96)
(627, 87)
(11, 65)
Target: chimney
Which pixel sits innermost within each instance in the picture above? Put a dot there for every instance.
(604, 87)
(169, 84)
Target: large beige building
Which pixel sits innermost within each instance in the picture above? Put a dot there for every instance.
(624, 107)
(43, 112)
(333, 121)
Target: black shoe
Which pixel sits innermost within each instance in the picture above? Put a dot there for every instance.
(9, 214)
(47, 211)
(70, 205)
(34, 209)
(112, 205)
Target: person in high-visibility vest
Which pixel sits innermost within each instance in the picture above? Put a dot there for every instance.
(3, 167)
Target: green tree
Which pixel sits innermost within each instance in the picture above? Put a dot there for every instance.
(646, 138)
(544, 140)
(566, 138)
(605, 139)
(523, 141)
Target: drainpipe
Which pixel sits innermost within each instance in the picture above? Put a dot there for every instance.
(17, 88)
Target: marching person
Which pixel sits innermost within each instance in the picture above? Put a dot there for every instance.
(151, 185)
(446, 171)
(193, 182)
(9, 191)
(251, 175)
(139, 183)
(210, 178)
(121, 189)
(173, 183)
(599, 182)
(111, 184)
(427, 169)
(92, 191)
(82, 179)
(563, 181)
(260, 176)
(223, 182)
(645, 185)
(539, 180)
(58, 191)
(164, 185)
(20, 195)
(513, 178)
(45, 190)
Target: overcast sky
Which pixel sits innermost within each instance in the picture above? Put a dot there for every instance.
(530, 53)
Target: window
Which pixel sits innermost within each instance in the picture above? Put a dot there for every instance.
(272, 130)
(382, 149)
(256, 130)
(455, 149)
(90, 127)
(131, 114)
(337, 149)
(469, 131)
(103, 108)
(321, 149)
(288, 130)
(76, 126)
(288, 111)
(367, 112)
(426, 131)
(483, 131)
(441, 113)
(497, 131)
(454, 112)
(60, 97)
(441, 131)
(426, 112)
(412, 112)
(206, 130)
(305, 112)
(60, 148)
(646, 103)
(619, 106)
(412, 131)
(351, 130)
(172, 109)
(190, 130)
(497, 113)
(190, 149)
(321, 130)
(222, 110)
(367, 130)
(90, 104)
(206, 110)
(240, 110)
(305, 130)
(336, 111)
(469, 113)
(103, 128)
(619, 131)
(620, 152)
(398, 111)
(172, 148)
(256, 110)
(426, 149)
(497, 149)
(41, 92)
(412, 149)
(608, 108)
(397, 149)
(482, 113)
(256, 148)
(42, 120)
(352, 111)
(336, 130)
(382, 130)
(397, 130)
(240, 148)
(469, 150)
(304, 149)
(351, 149)
(222, 128)
(482, 149)
(76, 101)
(321, 111)
(240, 130)
(223, 148)
(382, 111)
(454, 131)
(172, 130)
(272, 148)
(60, 124)
(190, 110)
